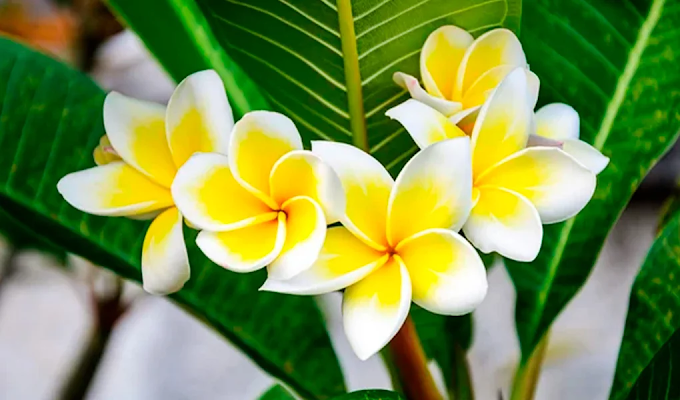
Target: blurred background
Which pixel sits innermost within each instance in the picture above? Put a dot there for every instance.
(65, 322)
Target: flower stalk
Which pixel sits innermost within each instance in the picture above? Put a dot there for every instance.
(408, 357)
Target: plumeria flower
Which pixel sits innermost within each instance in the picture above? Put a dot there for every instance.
(515, 189)
(559, 123)
(398, 243)
(459, 72)
(266, 203)
(145, 144)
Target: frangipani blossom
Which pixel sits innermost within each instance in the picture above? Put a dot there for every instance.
(266, 203)
(398, 243)
(560, 122)
(145, 144)
(459, 72)
(515, 189)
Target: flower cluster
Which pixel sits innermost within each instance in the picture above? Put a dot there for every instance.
(488, 165)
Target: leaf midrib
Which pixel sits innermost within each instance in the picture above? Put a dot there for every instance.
(601, 137)
(355, 101)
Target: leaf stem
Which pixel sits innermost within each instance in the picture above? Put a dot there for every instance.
(526, 378)
(355, 101)
(408, 358)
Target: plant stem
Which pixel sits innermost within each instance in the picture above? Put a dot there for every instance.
(461, 386)
(526, 378)
(411, 364)
(107, 311)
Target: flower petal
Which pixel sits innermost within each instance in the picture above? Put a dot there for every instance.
(165, 263)
(209, 197)
(343, 261)
(247, 249)
(504, 222)
(305, 234)
(410, 83)
(303, 173)
(587, 155)
(557, 121)
(480, 90)
(136, 130)
(447, 274)
(376, 307)
(494, 48)
(258, 141)
(442, 53)
(503, 123)
(553, 181)
(199, 117)
(434, 190)
(114, 189)
(367, 186)
(425, 124)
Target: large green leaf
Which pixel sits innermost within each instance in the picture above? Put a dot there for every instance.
(50, 121)
(330, 67)
(277, 392)
(177, 34)
(651, 339)
(370, 395)
(616, 63)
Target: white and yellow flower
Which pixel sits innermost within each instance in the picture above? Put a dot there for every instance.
(145, 144)
(398, 243)
(266, 203)
(515, 189)
(560, 123)
(459, 72)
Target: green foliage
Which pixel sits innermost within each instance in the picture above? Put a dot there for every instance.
(370, 395)
(177, 34)
(616, 64)
(50, 122)
(277, 392)
(306, 61)
(651, 337)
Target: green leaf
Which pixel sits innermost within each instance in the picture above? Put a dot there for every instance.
(330, 67)
(177, 34)
(651, 338)
(50, 122)
(277, 392)
(371, 395)
(616, 64)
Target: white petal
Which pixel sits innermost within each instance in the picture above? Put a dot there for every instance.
(258, 141)
(587, 155)
(434, 190)
(425, 124)
(410, 83)
(367, 186)
(136, 130)
(375, 308)
(557, 121)
(442, 53)
(343, 261)
(303, 173)
(552, 180)
(114, 189)
(305, 234)
(246, 249)
(199, 117)
(503, 124)
(209, 197)
(165, 263)
(505, 222)
(447, 274)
